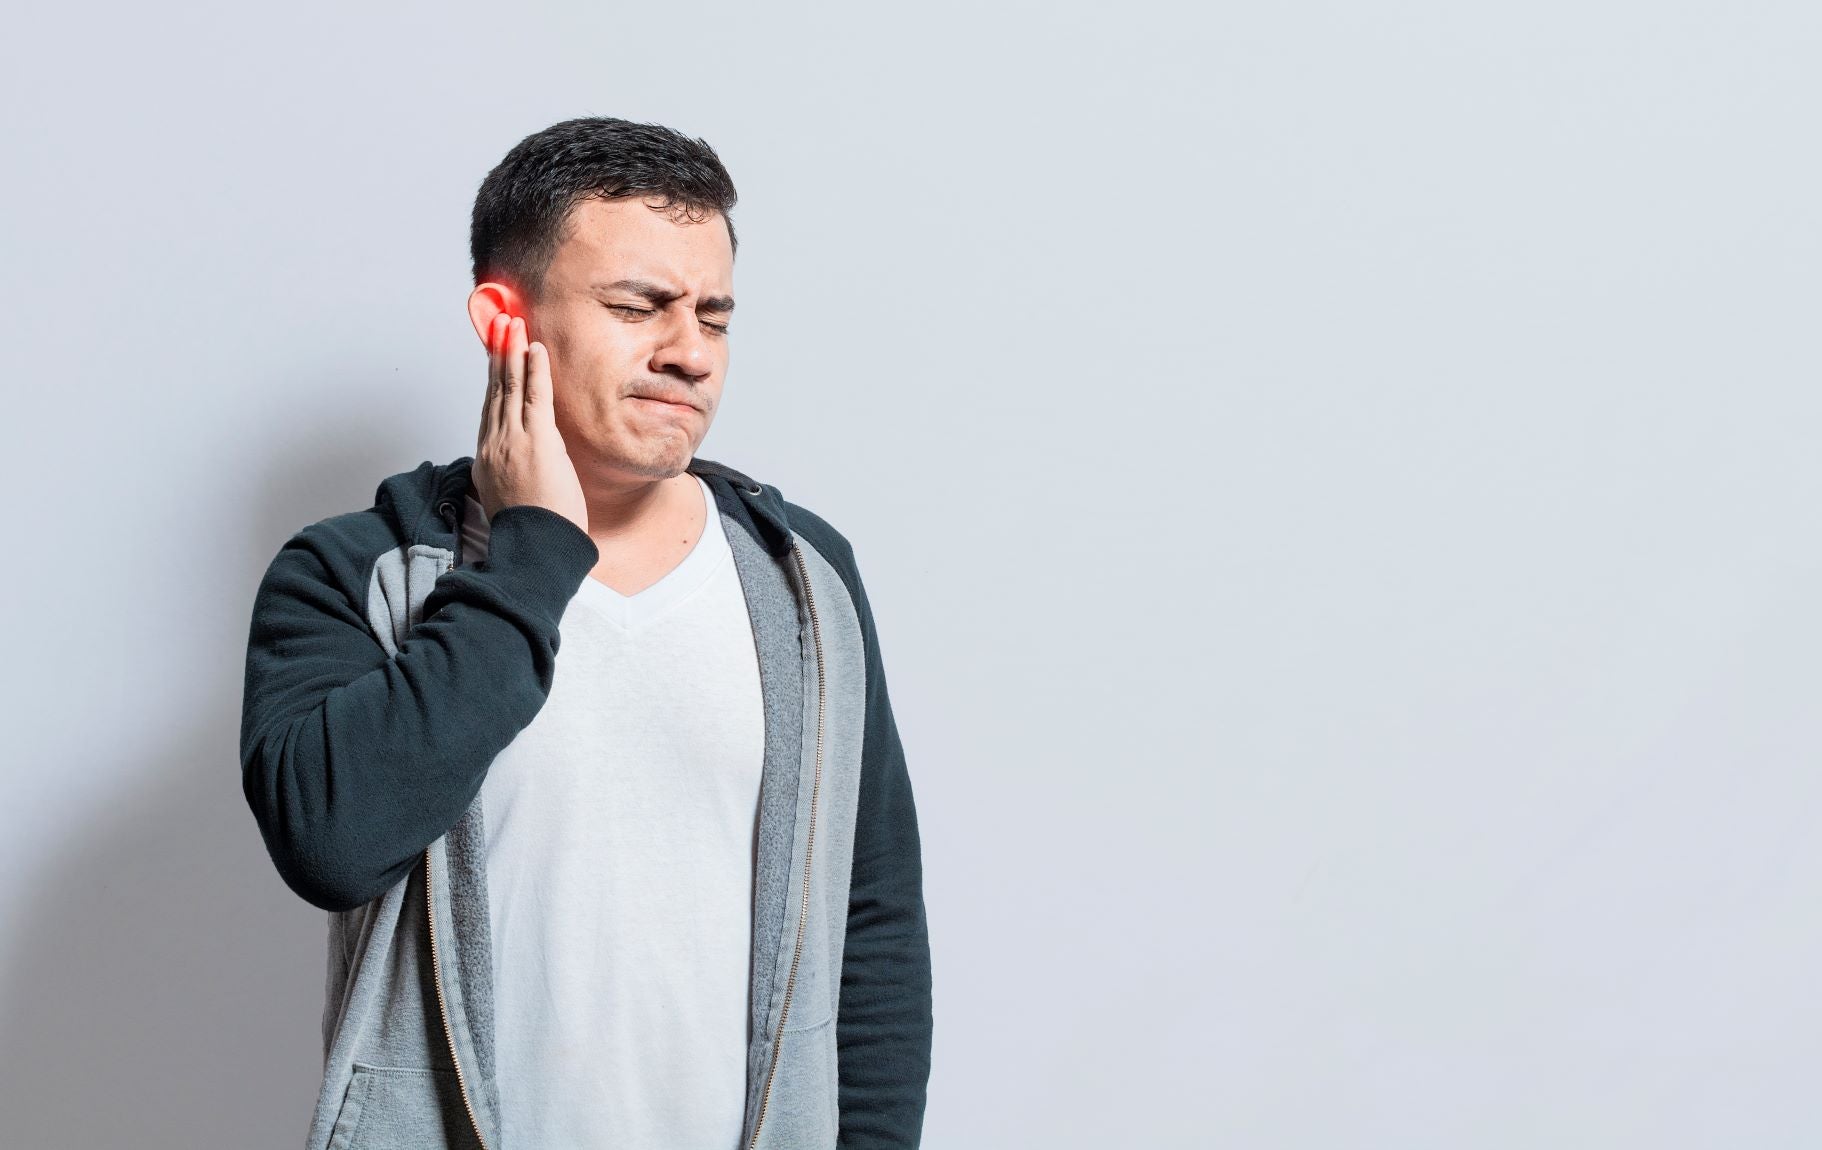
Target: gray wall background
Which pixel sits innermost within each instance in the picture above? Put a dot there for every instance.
(1337, 484)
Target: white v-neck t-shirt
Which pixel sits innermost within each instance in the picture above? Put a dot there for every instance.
(621, 841)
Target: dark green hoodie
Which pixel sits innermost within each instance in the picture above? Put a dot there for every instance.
(381, 681)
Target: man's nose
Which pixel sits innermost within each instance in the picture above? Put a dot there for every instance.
(684, 347)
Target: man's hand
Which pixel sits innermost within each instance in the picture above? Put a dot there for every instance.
(519, 457)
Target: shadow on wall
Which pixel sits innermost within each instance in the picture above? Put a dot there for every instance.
(161, 986)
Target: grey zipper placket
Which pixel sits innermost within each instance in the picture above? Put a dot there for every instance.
(436, 958)
(803, 902)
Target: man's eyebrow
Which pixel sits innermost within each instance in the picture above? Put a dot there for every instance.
(657, 294)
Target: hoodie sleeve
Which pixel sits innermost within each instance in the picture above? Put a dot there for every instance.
(354, 761)
(884, 1027)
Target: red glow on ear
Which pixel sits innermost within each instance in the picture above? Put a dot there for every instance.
(512, 304)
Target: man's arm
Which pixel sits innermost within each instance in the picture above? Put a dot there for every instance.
(352, 761)
(883, 1030)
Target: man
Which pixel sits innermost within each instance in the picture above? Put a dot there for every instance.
(663, 889)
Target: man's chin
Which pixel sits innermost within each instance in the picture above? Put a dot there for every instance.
(661, 459)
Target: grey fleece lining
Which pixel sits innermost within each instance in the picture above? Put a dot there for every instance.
(467, 852)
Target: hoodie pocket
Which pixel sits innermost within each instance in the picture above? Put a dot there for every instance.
(810, 1005)
(396, 1106)
(803, 1113)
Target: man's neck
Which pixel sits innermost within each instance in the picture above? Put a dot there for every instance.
(644, 533)
(621, 511)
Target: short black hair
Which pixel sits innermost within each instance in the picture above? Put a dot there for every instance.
(524, 203)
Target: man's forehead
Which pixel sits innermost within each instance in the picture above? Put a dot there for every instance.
(627, 241)
(603, 223)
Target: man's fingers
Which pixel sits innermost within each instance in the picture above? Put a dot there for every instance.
(511, 370)
(493, 407)
(512, 376)
(537, 408)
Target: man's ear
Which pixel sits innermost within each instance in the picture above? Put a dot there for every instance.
(488, 300)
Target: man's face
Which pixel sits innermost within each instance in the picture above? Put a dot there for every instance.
(636, 304)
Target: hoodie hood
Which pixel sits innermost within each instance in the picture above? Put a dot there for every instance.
(424, 504)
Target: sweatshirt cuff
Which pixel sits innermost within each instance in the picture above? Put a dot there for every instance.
(539, 556)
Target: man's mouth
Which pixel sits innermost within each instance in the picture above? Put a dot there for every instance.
(673, 405)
